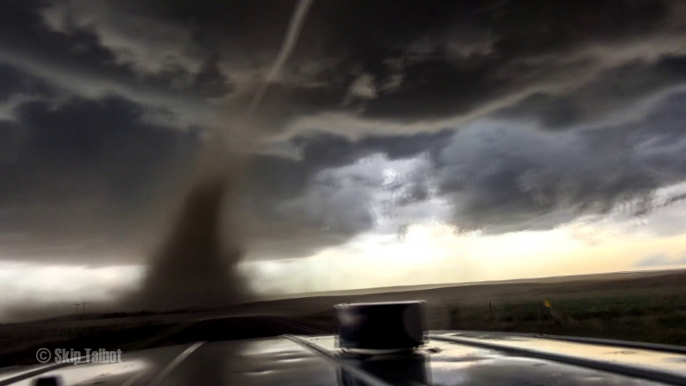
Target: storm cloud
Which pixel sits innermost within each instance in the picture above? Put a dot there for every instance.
(83, 177)
(515, 115)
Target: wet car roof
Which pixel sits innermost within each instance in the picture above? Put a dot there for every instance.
(449, 358)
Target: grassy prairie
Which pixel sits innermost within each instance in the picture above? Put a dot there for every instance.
(648, 307)
(659, 318)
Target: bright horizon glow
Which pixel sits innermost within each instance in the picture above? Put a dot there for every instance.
(430, 252)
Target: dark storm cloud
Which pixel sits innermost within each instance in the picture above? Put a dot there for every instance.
(210, 82)
(86, 176)
(327, 150)
(299, 206)
(92, 150)
(611, 91)
(23, 34)
(275, 178)
(514, 184)
(90, 176)
(406, 62)
(503, 177)
(17, 83)
(11, 82)
(57, 45)
(444, 59)
(12, 137)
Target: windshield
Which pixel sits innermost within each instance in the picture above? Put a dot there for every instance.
(518, 165)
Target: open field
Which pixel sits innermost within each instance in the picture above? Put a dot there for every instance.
(644, 306)
(651, 309)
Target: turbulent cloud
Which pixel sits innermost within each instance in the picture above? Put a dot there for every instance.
(166, 48)
(15, 82)
(515, 115)
(85, 177)
(408, 62)
(613, 93)
(336, 190)
(501, 177)
(413, 62)
(505, 177)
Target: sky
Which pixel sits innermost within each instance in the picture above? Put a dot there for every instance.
(400, 143)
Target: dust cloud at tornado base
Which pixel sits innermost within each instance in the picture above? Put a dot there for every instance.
(196, 263)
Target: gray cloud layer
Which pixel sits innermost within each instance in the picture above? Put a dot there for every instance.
(528, 114)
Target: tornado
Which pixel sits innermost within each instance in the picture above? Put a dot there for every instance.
(196, 265)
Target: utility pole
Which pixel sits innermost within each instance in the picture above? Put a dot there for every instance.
(76, 307)
(84, 307)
